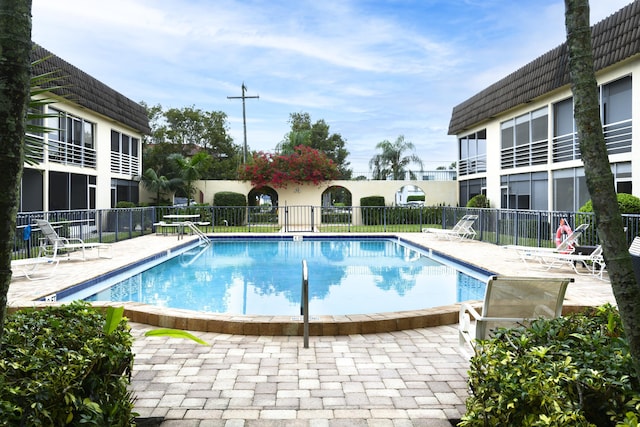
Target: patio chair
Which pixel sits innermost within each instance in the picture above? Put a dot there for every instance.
(462, 230)
(528, 253)
(509, 302)
(28, 267)
(51, 243)
(593, 262)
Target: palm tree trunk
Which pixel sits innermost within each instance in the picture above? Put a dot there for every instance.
(15, 74)
(598, 173)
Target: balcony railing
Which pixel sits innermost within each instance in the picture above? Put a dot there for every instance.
(71, 154)
(125, 164)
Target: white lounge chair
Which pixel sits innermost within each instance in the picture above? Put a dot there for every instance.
(462, 230)
(529, 253)
(51, 244)
(593, 262)
(28, 267)
(509, 302)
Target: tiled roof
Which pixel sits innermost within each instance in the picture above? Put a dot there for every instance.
(615, 39)
(80, 88)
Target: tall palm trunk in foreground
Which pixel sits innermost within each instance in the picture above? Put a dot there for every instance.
(598, 173)
(15, 75)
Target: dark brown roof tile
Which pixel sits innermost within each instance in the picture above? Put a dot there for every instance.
(82, 89)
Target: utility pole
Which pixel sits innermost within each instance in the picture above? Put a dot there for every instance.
(244, 119)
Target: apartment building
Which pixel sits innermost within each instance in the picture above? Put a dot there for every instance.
(517, 140)
(92, 158)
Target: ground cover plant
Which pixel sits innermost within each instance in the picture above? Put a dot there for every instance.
(571, 371)
(65, 365)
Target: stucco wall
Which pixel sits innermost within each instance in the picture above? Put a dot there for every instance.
(436, 192)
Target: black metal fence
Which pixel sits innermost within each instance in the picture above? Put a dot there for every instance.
(498, 226)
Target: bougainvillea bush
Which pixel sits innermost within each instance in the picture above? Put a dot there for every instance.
(304, 165)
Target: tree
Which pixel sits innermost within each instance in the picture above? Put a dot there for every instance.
(186, 131)
(391, 162)
(304, 165)
(15, 75)
(316, 136)
(158, 184)
(598, 173)
(191, 170)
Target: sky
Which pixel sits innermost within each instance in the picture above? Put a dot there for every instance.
(371, 69)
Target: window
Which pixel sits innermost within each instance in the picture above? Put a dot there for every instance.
(72, 140)
(525, 191)
(569, 189)
(565, 146)
(622, 177)
(124, 191)
(471, 188)
(615, 107)
(616, 115)
(124, 154)
(473, 153)
(524, 140)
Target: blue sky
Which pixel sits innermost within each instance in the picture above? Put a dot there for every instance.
(372, 69)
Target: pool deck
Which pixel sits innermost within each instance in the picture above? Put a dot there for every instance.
(388, 369)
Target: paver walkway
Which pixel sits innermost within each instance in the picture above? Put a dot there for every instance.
(407, 378)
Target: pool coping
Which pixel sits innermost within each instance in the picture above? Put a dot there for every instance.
(327, 325)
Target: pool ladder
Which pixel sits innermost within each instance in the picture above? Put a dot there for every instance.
(304, 303)
(201, 236)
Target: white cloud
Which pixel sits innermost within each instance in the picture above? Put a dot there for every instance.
(372, 70)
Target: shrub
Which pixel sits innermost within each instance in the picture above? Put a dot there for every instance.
(627, 203)
(235, 213)
(124, 204)
(59, 367)
(568, 371)
(372, 210)
(415, 198)
(478, 201)
(229, 198)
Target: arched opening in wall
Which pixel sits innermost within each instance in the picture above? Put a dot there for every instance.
(265, 198)
(263, 206)
(336, 196)
(410, 195)
(336, 204)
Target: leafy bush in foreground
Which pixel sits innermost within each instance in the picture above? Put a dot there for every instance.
(58, 366)
(571, 371)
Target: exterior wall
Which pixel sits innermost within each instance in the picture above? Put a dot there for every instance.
(494, 172)
(436, 192)
(102, 144)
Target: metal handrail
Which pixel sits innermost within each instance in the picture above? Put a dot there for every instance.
(304, 303)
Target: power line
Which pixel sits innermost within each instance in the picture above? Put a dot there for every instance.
(244, 119)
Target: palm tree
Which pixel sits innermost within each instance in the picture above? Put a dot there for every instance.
(158, 184)
(191, 170)
(391, 163)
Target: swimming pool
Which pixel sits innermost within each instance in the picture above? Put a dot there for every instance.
(262, 276)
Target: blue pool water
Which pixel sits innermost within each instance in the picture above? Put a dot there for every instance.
(263, 277)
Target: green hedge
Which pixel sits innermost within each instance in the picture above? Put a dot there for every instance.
(235, 214)
(571, 371)
(372, 210)
(58, 367)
